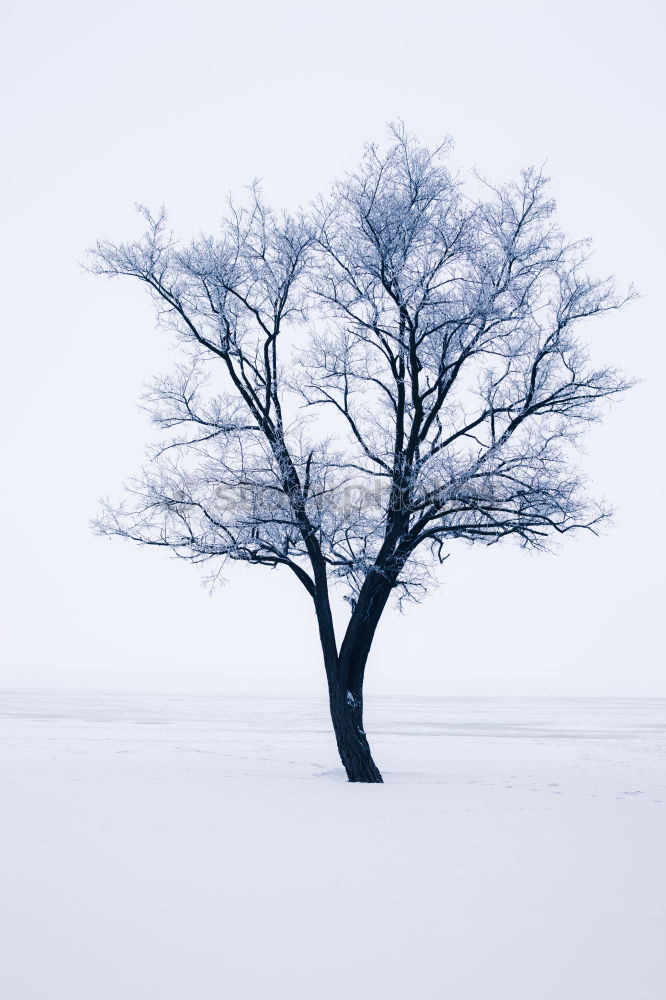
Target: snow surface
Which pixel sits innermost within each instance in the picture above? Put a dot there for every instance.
(208, 847)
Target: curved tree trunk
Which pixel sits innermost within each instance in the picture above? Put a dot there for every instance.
(345, 682)
(347, 717)
(345, 673)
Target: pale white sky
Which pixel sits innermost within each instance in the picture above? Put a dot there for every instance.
(106, 105)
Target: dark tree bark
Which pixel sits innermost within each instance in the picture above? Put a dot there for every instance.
(345, 700)
(345, 680)
(353, 747)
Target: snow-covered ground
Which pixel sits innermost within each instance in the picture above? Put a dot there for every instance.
(200, 848)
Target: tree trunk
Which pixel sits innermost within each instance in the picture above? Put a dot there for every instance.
(345, 689)
(347, 716)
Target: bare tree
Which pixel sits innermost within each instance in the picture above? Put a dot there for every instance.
(436, 330)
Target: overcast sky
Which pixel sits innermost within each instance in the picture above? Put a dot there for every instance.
(180, 103)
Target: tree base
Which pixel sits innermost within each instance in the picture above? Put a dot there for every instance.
(370, 776)
(353, 747)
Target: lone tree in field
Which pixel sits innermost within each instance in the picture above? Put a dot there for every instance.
(364, 383)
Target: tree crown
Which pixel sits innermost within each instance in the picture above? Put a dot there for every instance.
(366, 381)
